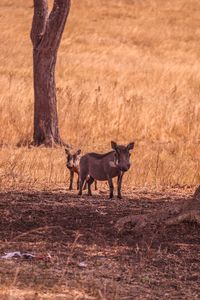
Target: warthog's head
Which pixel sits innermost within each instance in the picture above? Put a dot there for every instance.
(73, 159)
(122, 155)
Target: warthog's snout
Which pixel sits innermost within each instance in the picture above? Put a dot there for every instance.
(70, 165)
(125, 168)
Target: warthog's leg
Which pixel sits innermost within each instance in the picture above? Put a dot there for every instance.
(86, 182)
(89, 182)
(78, 183)
(80, 187)
(85, 185)
(95, 185)
(119, 185)
(111, 187)
(71, 180)
(82, 178)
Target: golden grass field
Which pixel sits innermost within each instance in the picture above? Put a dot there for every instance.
(126, 70)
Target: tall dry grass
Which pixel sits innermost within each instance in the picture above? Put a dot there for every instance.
(127, 70)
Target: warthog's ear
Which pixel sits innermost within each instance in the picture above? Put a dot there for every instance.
(130, 146)
(113, 145)
(67, 151)
(78, 152)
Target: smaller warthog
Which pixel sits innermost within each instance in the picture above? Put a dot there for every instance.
(105, 167)
(73, 161)
(73, 164)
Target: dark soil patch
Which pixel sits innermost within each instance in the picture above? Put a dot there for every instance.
(90, 259)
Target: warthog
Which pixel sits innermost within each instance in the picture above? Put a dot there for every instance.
(73, 161)
(73, 164)
(105, 167)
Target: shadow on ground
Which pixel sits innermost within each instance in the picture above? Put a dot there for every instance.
(89, 255)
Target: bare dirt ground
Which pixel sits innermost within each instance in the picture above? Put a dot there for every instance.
(89, 258)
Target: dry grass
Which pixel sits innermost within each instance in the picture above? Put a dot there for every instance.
(127, 70)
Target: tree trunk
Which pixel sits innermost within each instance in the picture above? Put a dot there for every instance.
(46, 35)
(45, 106)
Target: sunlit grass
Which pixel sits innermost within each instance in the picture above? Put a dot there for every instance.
(126, 70)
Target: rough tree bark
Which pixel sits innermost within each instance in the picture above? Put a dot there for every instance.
(46, 35)
(188, 211)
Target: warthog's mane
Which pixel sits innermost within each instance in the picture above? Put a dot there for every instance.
(98, 155)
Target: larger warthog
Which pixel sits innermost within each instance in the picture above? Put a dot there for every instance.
(105, 167)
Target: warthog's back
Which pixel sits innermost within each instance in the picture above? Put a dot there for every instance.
(99, 166)
(101, 156)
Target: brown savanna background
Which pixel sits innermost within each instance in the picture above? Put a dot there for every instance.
(126, 70)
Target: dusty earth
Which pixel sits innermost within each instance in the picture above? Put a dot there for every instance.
(89, 258)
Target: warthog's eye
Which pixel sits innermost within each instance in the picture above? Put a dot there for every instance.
(69, 158)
